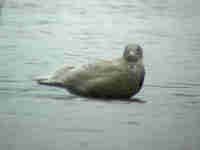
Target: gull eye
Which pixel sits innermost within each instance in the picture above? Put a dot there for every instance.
(138, 49)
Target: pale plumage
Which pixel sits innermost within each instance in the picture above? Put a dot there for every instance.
(119, 78)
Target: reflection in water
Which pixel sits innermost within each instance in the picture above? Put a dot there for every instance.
(126, 101)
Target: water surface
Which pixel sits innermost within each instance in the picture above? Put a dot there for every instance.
(39, 36)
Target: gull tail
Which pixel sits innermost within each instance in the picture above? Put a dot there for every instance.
(49, 82)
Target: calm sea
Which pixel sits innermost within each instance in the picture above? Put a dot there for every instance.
(36, 37)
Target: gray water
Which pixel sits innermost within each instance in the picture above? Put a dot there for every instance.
(36, 37)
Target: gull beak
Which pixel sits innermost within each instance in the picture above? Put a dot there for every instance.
(132, 53)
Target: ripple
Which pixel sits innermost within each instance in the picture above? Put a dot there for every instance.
(18, 4)
(186, 95)
(135, 114)
(188, 84)
(4, 89)
(193, 102)
(81, 130)
(136, 123)
(8, 115)
(8, 81)
(179, 115)
(32, 5)
(43, 22)
(166, 86)
(46, 32)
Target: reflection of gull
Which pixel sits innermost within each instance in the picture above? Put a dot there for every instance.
(118, 78)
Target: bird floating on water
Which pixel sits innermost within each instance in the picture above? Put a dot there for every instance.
(119, 78)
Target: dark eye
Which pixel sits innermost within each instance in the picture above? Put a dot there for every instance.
(138, 49)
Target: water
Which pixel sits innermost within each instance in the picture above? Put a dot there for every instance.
(39, 36)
